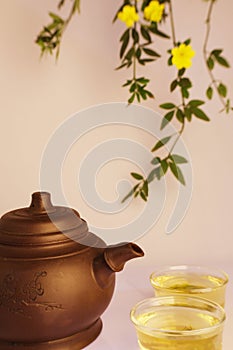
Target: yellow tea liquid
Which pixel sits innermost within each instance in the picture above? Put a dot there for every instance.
(184, 320)
(204, 286)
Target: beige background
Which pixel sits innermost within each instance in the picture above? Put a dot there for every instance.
(38, 95)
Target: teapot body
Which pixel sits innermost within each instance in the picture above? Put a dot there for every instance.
(51, 299)
(56, 277)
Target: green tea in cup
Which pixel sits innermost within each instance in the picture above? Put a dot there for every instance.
(178, 322)
(197, 281)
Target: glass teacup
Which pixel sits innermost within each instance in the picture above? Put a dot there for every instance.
(178, 322)
(197, 281)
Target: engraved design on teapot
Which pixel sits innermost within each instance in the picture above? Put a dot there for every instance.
(18, 297)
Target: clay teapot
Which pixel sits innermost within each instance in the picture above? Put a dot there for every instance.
(56, 278)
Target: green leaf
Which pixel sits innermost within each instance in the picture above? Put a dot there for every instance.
(138, 53)
(196, 103)
(187, 42)
(216, 52)
(138, 97)
(125, 42)
(164, 167)
(146, 60)
(56, 18)
(145, 188)
(166, 119)
(158, 173)
(149, 94)
(222, 90)
(169, 61)
(180, 115)
(131, 192)
(188, 113)
(133, 87)
(119, 10)
(155, 173)
(184, 92)
(162, 34)
(60, 4)
(125, 35)
(209, 92)
(151, 176)
(128, 82)
(177, 173)
(142, 92)
(145, 33)
(76, 6)
(137, 176)
(173, 85)
(155, 30)
(178, 159)
(135, 36)
(143, 196)
(121, 66)
(181, 72)
(210, 63)
(167, 105)
(161, 143)
(185, 83)
(129, 54)
(222, 61)
(143, 80)
(155, 160)
(151, 52)
(228, 106)
(199, 113)
(131, 99)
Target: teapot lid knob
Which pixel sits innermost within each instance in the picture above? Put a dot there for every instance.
(41, 203)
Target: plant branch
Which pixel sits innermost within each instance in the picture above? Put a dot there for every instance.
(184, 111)
(172, 22)
(134, 56)
(209, 60)
(177, 139)
(49, 39)
(208, 25)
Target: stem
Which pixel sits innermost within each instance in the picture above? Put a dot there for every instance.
(177, 139)
(172, 22)
(134, 57)
(74, 8)
(205, 52)
(134, 60)
(208, 26)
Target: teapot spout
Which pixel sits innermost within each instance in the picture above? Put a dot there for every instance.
(117, 255)
(113, 260)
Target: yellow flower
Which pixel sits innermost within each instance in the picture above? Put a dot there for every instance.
(181, 56)
(128, 15)
(154, 11)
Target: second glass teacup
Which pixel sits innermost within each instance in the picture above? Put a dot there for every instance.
(196, 281)
(178, 322)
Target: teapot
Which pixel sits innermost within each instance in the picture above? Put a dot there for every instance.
(56, 277)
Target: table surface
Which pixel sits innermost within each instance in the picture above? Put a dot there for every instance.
(132, 286)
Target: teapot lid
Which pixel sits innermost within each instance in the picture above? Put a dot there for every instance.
(44, 228)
